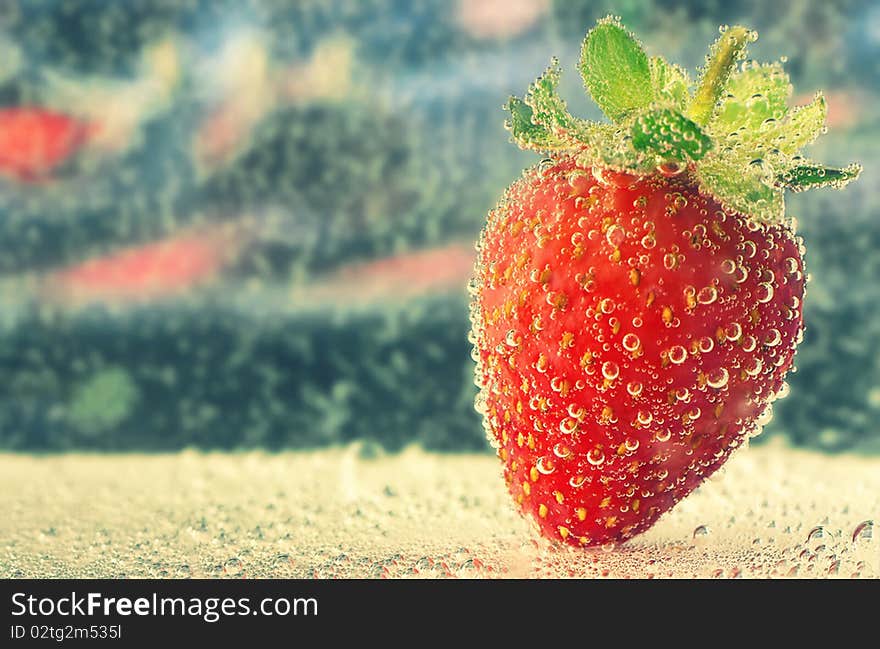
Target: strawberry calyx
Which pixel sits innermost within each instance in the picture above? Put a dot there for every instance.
(733, 131)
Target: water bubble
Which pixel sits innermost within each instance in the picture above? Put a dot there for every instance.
(615, 236)
(631, 342)
(644, 418)
(733, 331)
(753, 366)
(784, 391)
(772, 338)
(728, 266)
(568, 426)
(670, 169)
(596, 457)
(707, 295)
(610, 370)
(764, 292)
(577, 481)
(677, 354)
(717, 378)
(545, 465)
(562, 451)
(706, 344)
(512, 339)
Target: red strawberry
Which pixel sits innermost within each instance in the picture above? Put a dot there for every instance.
(638, 296)
(34, 141)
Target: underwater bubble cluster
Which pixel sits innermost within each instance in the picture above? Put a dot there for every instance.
(351, 512)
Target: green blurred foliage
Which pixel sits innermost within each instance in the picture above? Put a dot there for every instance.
(411, 157)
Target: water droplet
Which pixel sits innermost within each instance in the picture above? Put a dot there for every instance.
(700, 531)
(863, 532)
(568, 426)
(512, 339)
(705, 344)
(817, 534)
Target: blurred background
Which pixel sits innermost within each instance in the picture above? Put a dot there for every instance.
(238, 224)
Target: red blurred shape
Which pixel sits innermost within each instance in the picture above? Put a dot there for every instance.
(34, 141)
(405, 275)
(142, 273)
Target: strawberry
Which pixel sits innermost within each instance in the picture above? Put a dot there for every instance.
(638, 295)
(34, 141)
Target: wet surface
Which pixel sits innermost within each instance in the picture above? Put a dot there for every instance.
(340, 513)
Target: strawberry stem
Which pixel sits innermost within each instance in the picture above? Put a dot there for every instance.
(724, 54)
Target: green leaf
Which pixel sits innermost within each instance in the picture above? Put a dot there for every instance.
(670, 82)
(610, 146)
(810, 175)
(615, 70)
(723, 55)
(755, 97)
(801, 126)
(743, 187)
(670, 135)
(527, 133)
(549, 108)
